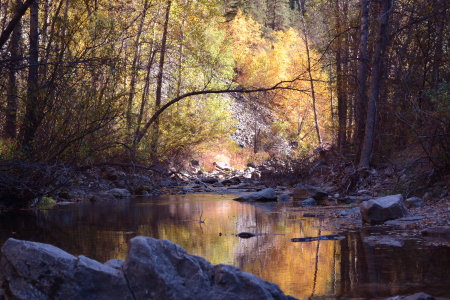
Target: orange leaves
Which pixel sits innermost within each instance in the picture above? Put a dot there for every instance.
(265, 60)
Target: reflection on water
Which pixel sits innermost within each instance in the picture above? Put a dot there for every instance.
(206, 225)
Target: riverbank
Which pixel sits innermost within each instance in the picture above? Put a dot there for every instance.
(344, 188)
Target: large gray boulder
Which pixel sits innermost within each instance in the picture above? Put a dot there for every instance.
(37, 271)
(153, 269)
(268, 194)
(160, 269)
(383, 209)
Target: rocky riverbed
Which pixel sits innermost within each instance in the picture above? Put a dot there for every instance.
(426, 216)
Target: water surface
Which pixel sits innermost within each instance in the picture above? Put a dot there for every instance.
(206, 225)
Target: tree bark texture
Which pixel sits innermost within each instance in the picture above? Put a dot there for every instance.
(13, 89)
(375, 83)
(159, 80)
(134, 69)
(340, 85)
(30, 123)
(363, 60)
(311, 79)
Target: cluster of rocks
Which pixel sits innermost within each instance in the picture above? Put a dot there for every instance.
(107, 183)
(225, 179)
(114, 184)
(371, 209)
(102, 183)
(153, 269)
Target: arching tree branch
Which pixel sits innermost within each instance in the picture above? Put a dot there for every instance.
(278, 86)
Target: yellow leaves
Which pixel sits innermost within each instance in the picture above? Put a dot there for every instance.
(260, 61)
(265, 60)
(247, 41)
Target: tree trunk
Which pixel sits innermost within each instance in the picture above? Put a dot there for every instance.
(12, 98)
(441, 16)
(15, 20)
(361, 87)
(134, 70)
(159, 83)
(144, 98)
(311, 79)
(375, 83)
(340, 86)
(30, 122)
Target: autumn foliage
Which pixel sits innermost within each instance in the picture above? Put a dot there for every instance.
(92, 80)
(264, 60)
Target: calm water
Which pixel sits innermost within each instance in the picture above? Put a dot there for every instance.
(345, 268)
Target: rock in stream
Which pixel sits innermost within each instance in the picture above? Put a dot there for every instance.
(153, 269)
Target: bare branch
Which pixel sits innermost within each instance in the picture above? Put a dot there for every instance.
(155, 116)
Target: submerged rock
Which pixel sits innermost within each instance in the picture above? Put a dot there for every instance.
(153, 269)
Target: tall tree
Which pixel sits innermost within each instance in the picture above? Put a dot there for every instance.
(361, 84)
(13, 88)
(134, 66)
(341, 54)
(375, 82)
(310, 73)
(33, 107)
(160, 77)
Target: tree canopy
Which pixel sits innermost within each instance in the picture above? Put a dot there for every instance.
(147, 80)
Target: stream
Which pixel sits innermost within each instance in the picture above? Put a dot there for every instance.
(207, 225)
